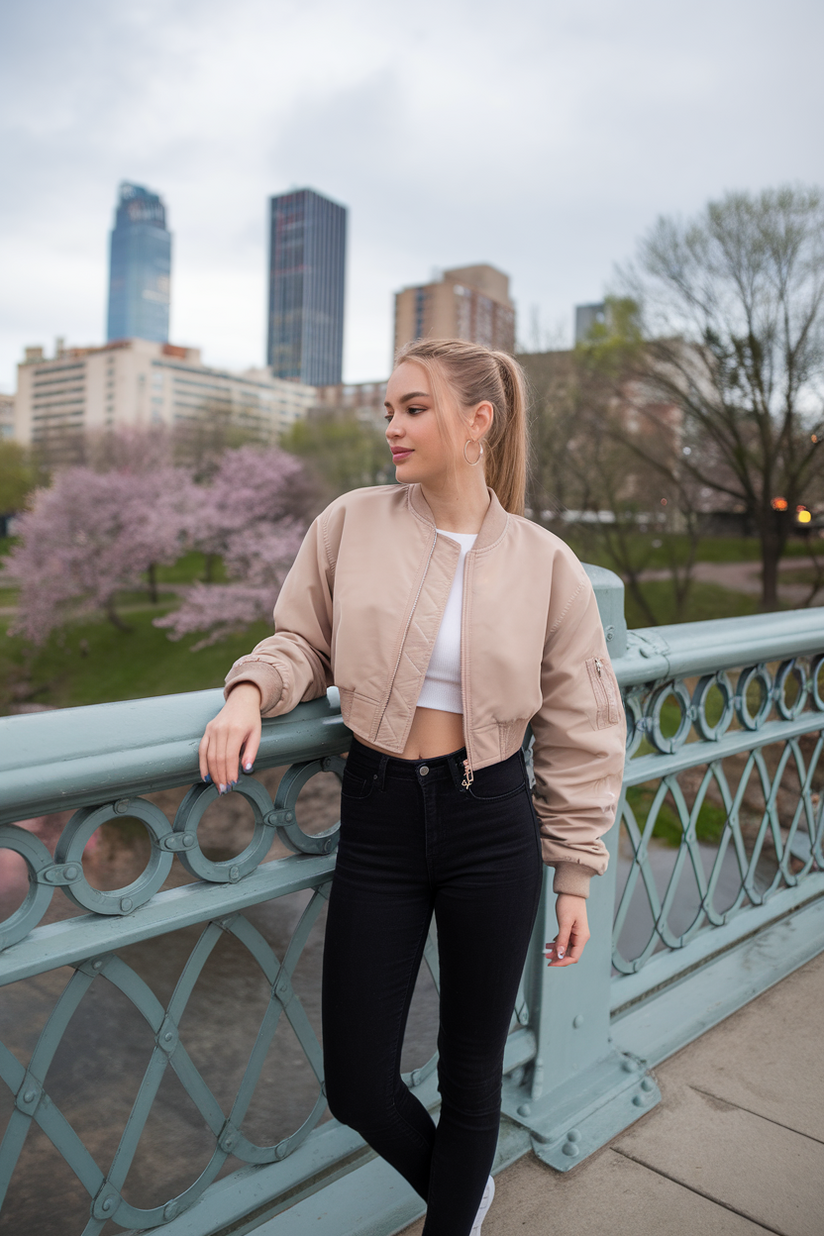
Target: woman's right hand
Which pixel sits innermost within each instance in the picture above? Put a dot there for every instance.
(232, 734)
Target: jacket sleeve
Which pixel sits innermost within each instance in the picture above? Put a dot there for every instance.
(294, 664)
(580, 735)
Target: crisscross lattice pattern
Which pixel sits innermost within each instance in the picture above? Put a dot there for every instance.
(740, 791)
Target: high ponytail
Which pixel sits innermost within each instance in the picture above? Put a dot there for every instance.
(475, 374)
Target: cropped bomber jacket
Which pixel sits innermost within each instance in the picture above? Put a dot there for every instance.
(361, 608)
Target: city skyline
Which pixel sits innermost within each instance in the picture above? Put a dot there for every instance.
(595, 120)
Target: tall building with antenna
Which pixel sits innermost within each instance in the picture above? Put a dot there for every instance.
(307, 262)
(140, 267)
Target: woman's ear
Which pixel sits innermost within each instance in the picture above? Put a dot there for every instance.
(480, 421)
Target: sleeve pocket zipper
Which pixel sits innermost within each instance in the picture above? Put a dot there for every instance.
(604, 689)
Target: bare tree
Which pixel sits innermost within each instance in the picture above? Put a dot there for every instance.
(732, 311)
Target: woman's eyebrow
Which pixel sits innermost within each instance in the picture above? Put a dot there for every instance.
(411, 395)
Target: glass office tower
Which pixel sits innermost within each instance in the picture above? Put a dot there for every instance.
(140, 267)
(307, 259)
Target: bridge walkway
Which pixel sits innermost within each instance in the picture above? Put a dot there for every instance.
(735, 1148)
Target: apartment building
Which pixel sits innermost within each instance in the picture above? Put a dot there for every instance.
(469, 302)
(142, 382)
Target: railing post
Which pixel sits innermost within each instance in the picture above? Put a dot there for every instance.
(580, 1090)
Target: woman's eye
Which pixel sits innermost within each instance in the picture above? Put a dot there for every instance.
(415, 411)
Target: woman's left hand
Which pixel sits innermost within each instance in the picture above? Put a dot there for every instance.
(573, 930)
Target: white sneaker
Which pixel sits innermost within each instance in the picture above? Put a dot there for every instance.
(486, 1202)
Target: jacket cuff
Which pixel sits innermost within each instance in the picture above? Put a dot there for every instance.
(265, 677)
(572, 878)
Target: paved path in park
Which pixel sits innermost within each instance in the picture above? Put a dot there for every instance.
(746, 577)
(735, 1148)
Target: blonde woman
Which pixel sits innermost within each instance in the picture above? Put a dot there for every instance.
(449, 622)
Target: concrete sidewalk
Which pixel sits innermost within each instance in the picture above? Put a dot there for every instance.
(735, 1148)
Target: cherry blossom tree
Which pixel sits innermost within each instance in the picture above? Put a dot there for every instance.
(98, 530)
(92, 534)
(253, 515)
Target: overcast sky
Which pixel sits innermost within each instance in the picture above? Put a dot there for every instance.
(542, 137)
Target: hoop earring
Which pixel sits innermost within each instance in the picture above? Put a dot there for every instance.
(473, 462)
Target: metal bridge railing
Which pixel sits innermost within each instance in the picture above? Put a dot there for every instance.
(703, 740)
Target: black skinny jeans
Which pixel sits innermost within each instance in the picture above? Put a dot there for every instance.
(414, 842)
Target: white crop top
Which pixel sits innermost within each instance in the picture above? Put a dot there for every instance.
(442, 684)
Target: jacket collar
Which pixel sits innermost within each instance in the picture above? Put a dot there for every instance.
(492, 528)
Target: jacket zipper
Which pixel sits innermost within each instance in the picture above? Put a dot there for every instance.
(469, 775)
(405, 633)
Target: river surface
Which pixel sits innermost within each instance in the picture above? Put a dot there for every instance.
(100, 1062)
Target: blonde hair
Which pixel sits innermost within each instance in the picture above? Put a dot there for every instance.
(475, 374)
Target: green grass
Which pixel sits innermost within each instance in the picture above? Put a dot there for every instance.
(705, 601)
(667, 828)
(189, 569)
(590, 548)
(118, 665)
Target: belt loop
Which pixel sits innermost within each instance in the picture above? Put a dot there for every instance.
(384, 760)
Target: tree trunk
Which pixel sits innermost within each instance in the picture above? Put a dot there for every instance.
(152, 574)
(772, 547)
(209, 567)
(114, 618)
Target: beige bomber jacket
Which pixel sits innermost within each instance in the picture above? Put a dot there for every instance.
(361, 608)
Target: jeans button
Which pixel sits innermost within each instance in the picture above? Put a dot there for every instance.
(424, 769)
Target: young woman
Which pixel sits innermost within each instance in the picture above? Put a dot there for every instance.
(449, 623)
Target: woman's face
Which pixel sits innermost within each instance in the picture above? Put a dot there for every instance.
(420, 452)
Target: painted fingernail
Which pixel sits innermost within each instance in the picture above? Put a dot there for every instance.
(207, 779)
(560, 952)
(223, 789)
(248, 767)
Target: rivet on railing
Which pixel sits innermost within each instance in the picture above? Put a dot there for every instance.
(126, 904)
(577, 1021)
(170, 1210)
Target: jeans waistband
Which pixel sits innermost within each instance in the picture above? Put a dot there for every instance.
(373, 763)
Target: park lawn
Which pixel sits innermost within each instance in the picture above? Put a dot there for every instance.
(118, 665)
(190, 569)
(705, 601)
(590, 548)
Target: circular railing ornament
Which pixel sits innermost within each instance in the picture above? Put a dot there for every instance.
(791, 668)
(663, 743)
(635, 720)
(815, 683)
(284, 815)
(191, 812)
(747, 677)
(700, 695)
(76, 835)
(37, 899)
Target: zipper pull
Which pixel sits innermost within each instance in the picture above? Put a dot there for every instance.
(599, 665)
(469, 776)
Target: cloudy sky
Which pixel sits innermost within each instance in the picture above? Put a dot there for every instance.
(542, 137)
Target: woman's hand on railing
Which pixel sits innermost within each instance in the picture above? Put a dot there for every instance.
(573, 930)
(234, 734)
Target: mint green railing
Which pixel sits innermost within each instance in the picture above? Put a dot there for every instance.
(739, 700)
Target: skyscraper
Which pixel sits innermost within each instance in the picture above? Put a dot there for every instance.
(307, 259)
(140, 266)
